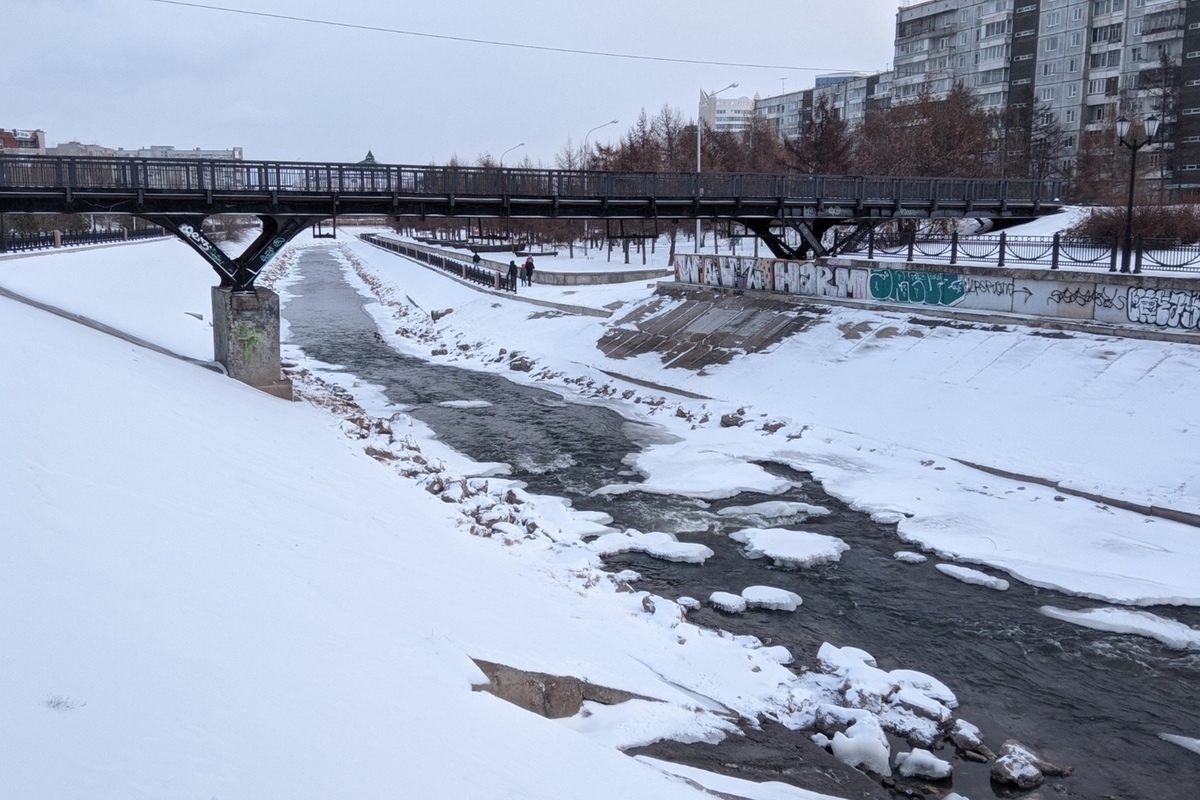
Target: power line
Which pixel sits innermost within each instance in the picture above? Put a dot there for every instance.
(492, 42)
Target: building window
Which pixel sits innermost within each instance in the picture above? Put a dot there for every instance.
(1049, 69)
(1070, 115)
(1073, 65)
(1076, 39)
(1107, 33)
(1076, 14)
(1054, 19)
(1073, 90)
(1047, 94)
(1050, 44)
(1191, 112)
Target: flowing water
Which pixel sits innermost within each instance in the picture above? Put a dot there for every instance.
(1093, 700)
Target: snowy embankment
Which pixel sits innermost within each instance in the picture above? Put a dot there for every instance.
(880, 418)
(205, 568)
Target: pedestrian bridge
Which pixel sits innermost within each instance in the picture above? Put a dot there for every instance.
(179, 194)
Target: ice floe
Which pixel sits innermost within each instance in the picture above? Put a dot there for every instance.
(1173, 634)
(1183, 741)
(790, 548)
(771, 598)
(909, 557)
(775, 509)
(465, 404)
(728, 602)
(973, 576)
(655, 544)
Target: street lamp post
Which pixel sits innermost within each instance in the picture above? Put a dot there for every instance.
(699, 129)
(587, 154)
(509, 150)
(1123, 124)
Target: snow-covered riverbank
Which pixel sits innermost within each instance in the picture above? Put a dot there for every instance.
(233, 579)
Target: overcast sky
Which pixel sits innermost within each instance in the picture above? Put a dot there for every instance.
(135, 73)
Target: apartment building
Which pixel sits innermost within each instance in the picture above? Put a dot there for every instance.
(1083, 62)
(14, 141)
(731, 114)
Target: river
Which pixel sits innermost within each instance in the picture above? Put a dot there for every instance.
(1092, 700)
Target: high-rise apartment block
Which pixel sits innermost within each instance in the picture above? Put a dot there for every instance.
(1085, 62)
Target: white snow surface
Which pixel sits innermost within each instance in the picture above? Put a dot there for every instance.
(728, 602)
(1173, 634)
(775, 509)
(973, 576)
(788, 548)
(205, 591)
(465, 404)
(909, 557)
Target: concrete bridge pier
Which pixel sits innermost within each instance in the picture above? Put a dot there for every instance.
(246, 338)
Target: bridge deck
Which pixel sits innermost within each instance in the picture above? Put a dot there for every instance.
(48, 184)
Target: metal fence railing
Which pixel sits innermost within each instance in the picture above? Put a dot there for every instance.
(1150, 255)
(12, 241)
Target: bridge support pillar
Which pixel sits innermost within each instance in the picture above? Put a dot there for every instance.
(246, 338)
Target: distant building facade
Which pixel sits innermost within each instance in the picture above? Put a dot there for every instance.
(726, 114)
(15, 141)
(166, 151)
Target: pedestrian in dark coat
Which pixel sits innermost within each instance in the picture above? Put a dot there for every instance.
(529, 270)
(512, 276)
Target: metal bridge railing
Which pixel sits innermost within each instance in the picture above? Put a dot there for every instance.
(196, 175)
(1150, 255)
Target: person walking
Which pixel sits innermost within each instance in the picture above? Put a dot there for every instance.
(529, 270)
(512, 276)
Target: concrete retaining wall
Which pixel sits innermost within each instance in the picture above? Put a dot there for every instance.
(1143, 301)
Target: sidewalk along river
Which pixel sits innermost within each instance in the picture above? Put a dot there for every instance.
(1092, 700)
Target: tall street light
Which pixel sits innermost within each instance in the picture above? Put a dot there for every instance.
(699, 128)
(509, 150)
(1151, 126)
(587, 154)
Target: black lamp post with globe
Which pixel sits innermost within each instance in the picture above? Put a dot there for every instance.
(1123, 124)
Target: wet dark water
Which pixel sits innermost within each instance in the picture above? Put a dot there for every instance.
(1092, 700)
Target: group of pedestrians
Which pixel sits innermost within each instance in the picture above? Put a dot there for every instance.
(523, 272)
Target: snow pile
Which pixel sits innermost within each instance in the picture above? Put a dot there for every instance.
(728, 602)
(910, 704)
(787, 548)
(909, 557)
(637, 723)
(973, 576)
(863, 745)
(921, 763)
(771, 598)
(655, 544)
(1171, 633)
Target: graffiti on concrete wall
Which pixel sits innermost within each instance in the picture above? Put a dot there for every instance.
(1051, 296)
(1163, 308)
(921, 288)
